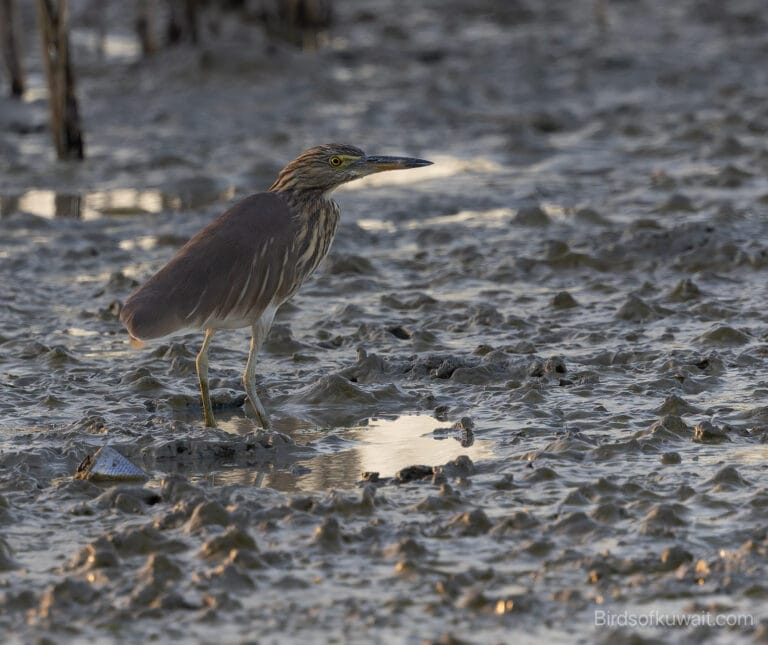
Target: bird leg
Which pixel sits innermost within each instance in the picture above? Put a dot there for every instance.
(259, 334)
(202, 374)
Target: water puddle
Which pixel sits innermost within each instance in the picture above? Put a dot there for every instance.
(384, 446)
(117, 202)
(112, 46)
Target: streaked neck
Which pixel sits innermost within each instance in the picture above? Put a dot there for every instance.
(304, 201)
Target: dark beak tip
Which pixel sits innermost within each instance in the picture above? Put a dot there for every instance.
(397, 163)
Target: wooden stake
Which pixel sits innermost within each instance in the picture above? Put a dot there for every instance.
(182, 22)
(144, 26)
(10, 48)
(65, 120)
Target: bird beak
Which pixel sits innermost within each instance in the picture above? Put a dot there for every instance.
(378, 164)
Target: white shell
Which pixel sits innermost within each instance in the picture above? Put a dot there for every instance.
(108, 464)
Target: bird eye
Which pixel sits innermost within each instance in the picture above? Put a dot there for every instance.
(335, 161)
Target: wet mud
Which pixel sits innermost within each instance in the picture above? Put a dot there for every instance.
(528, 383)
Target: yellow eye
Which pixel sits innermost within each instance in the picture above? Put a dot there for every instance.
(335, 161)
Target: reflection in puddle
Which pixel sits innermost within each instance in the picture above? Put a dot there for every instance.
(110, 45)
(383, 446)
(387, 446)
(121, 201)
(48, 203)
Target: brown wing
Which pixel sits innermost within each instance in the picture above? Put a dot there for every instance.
(225, 276)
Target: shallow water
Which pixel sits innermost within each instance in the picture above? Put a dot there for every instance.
(121, 201)
(579, 280)
(381, 446)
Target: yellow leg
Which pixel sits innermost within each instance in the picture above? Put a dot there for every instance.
(259, 334)
(249, 381)
(202, 375)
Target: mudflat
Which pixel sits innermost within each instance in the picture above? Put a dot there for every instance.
(524, 397)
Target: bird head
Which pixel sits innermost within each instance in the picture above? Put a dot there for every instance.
(328, 166)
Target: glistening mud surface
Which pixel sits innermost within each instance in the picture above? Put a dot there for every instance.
(581, 273)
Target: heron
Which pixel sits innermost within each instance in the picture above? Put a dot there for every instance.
(239, 269)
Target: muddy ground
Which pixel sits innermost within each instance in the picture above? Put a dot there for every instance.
(563, 319)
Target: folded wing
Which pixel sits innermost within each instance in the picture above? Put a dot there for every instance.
(224, 277)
